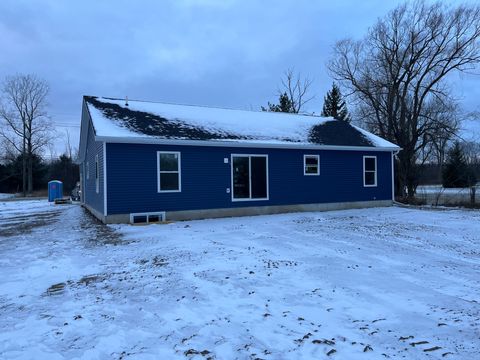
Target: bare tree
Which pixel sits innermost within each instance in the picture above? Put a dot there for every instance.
(447, 117)
(398, 73)
(297, 89)
(293, 94)
(471, 151)
(25, 124)
(68, 145)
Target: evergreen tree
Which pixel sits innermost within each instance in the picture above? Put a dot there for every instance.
(334, 105)
(65, 170)
(284, 105)
(11, 174)
(457, 173)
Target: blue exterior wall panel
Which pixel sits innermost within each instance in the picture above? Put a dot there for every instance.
(132, 178)
(90, 195)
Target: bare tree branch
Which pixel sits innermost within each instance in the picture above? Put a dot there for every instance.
(398, 76)
(24, 122)
(297, 89)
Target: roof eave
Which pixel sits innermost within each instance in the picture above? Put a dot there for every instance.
(241, 144)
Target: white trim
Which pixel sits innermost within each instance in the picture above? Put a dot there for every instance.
(305, 164)
(393, 181)
(83, 185)
(249, 177)
(104, 178)
(179, 171)
(238, 143)
(393, 175)
(376, 170)
(87, 172)
(97, 175)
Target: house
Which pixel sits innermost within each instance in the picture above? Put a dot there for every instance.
(146, 161)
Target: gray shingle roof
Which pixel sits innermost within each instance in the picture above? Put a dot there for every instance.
(113, 118)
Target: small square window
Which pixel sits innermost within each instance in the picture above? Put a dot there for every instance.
(311, 165)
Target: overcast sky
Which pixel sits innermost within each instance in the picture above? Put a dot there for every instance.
(221, 53)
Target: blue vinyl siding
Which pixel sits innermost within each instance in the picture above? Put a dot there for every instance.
(91, 197)
(132, 178)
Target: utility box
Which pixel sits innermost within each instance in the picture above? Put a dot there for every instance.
(55, 190)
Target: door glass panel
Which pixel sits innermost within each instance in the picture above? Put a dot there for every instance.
(241, 177)
(259, 177)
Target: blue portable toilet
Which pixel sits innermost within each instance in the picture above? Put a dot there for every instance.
(55, 190)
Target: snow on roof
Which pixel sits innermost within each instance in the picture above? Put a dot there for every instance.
(142, 119)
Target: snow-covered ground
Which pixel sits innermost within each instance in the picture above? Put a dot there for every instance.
(357, 284)
(6, 196)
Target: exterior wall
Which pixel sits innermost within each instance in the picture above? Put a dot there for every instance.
(81, 172)
(91, 198)
(132, 178)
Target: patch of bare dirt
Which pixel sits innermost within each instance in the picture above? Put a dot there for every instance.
(24, 224)
(98, 234)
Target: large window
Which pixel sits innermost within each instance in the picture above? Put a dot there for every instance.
(369, 171)
(311, 165)
(249, 177)
(169, 178)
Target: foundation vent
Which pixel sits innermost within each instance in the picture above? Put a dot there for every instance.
(147, 218)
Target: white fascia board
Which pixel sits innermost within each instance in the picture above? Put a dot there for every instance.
(238, 144)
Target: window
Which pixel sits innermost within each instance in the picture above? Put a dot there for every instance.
(169, 179)
(249, 177)
(88, 171)
(311, 165)
(369, 171)
(97, 187)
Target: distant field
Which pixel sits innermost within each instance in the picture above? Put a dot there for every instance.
(437, 195)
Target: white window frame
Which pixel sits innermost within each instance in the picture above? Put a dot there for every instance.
(179, 171)
(365, 171)
(305, 156)
(88, 170)
(249, 177)
(97, 175)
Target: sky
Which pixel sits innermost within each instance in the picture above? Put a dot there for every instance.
(206, 52)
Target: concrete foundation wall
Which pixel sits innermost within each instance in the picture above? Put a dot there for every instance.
(98, 214)
(246, 211)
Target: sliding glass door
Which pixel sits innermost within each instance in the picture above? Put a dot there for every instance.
(249, 177)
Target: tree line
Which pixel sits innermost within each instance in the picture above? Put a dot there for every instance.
(399, 78)
(63, 169)
(25, 131)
